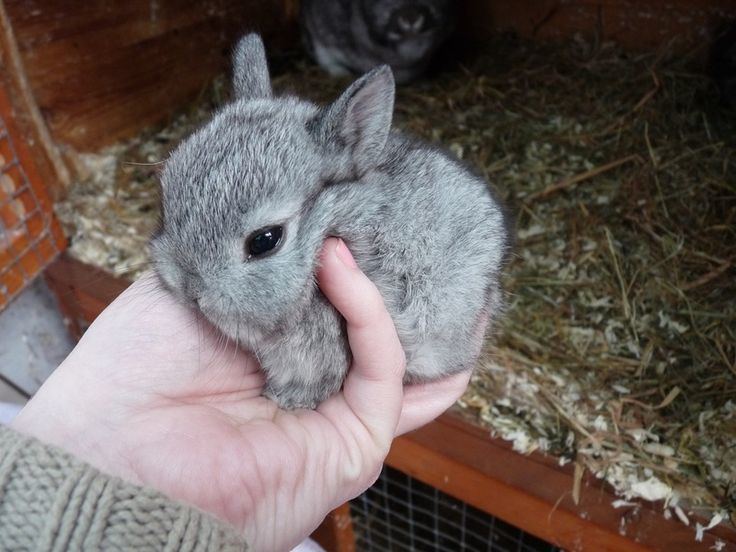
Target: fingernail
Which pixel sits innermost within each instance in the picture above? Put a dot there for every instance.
(343, 253)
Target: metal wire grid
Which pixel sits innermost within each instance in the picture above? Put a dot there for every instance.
(26, 241)
(402, 514)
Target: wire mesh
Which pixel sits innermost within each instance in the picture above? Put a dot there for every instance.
(27, 242)
(400, 513)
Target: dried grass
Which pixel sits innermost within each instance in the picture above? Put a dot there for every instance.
(618, 350)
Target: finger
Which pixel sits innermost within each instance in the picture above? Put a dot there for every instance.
(373, 388)
(424, 402)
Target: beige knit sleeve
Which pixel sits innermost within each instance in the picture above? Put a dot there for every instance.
(51, 501)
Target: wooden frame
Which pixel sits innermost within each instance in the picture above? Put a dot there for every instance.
(102, 71)
(30, 235)
(531, 492)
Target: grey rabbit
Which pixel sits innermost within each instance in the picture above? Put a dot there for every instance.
(249, 199)
(357, 35)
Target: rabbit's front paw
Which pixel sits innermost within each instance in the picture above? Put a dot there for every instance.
(293, 396)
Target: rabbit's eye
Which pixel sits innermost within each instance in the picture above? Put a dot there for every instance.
(264, 240)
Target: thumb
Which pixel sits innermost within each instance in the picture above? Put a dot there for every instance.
(374, 386)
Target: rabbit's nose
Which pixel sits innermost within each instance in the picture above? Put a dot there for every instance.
(411, 20)
(192, 288)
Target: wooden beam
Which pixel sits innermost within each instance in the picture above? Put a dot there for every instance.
(103, 71)
(535, 494)
(82, 291)
(46, 156)
(30, 235)
(335, 534)
(634, 24)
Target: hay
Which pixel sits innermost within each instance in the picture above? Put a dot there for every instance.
(618, 350)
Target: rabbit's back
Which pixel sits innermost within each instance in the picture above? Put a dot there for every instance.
(432, 238)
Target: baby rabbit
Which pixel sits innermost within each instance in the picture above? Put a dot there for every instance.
(249, 199)
(358, 35)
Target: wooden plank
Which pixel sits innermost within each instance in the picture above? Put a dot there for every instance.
(639, 25)
(67, 305)
(335, 534)
(102, 71)
(534, 493)
(47, 160)
(82, 291)
(504, 501)
(94, 283)
(30, 235)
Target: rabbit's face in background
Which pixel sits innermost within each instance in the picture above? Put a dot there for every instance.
(411, 27)
(235, 195)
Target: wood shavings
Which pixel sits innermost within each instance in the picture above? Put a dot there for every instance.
(608, 334)
(112, 209)
(717, 518)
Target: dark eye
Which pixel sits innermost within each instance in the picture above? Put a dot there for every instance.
(264, 240)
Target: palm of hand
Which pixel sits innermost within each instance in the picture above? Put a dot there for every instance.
(154, 395)
(187, 418)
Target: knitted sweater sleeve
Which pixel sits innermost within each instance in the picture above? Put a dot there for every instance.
(49, 500)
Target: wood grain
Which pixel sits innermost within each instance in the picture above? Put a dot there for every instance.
(634, 24)
(30, 235)
(102, 71)
(335, 534)
(82, 291)
(535, 494)
(27, 118)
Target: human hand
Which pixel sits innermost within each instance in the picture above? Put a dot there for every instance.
(156, 396)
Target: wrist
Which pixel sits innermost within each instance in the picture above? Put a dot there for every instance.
(73, 426)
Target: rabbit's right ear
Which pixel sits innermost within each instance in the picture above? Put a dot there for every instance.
(358, 122)
(250, 69)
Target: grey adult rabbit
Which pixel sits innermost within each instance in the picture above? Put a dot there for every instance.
(249, 199)
(357, 35)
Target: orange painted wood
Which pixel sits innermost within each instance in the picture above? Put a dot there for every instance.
(47, 160)
(100, 287)
(67, 305)
(30, 235)
(101, 71)
(504, 501)
(534, 493)
(335, 534)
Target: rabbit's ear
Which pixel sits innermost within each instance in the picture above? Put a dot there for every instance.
(250, 69)
(359, 121)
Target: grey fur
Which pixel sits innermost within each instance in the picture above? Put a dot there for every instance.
(357, 35)
(250, 70)
(425, 229)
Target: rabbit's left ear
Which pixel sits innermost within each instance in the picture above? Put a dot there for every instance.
(250, 69)
(359, 121)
